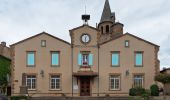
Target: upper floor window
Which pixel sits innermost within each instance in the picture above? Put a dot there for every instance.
(115, 82)
(138, 81)
(30, 58)
(115, 58)
(138, 58)
(126, 43)
(85, 59)
(107, 28)
(43, 43)
(55, 58)
(55, 82)
(31, 82)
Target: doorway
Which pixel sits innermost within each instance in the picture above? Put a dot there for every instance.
(85, 86)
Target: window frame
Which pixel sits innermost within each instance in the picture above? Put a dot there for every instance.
(31, 52)
(42, 43)
(115, 76)
(31, 83)
(127, 41)
(115, 52)
(141, 52)
(55, 52)
(82, 61)
(143, 80)
(50, 82)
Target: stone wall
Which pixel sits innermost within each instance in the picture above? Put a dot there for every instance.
(4, 50)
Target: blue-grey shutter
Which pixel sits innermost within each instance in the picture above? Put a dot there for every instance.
(90, 59)
(79, 59)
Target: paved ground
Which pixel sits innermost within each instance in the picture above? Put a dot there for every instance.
(162, 98)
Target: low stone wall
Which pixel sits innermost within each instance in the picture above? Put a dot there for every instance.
(83, 98)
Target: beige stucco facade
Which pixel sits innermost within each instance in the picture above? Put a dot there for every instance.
(95, 47)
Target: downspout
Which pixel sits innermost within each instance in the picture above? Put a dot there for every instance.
(98, 70)
(72, 66)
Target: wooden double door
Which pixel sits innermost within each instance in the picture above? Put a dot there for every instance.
(85, 87)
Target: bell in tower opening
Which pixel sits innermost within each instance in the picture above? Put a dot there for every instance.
(85, 19)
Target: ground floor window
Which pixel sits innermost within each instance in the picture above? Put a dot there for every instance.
(138, 80)
(31, 82)
(115, 82)
(55, 82)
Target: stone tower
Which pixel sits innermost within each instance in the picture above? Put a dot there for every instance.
(109, 29)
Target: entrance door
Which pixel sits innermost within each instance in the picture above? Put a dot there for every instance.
(84, 86)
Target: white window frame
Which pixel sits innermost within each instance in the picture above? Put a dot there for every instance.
(55, 80)
(140, 80)
(126, 43)
(115, 85)
(43, 43)
(31, 82)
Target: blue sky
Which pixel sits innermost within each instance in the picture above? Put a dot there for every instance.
(148, 19)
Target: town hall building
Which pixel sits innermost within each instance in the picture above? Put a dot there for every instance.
(99, 61)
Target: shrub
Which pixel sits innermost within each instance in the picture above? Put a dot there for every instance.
(136, 91)
(19, 98)
(154, 90)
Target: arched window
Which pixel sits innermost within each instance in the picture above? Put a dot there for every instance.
(107, 28)
(102, 29)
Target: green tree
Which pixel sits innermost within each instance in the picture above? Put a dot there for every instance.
(163, 78)
(4, 71)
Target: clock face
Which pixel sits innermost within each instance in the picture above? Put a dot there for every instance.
(85, 38)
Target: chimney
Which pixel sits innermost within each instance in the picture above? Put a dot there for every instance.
(3, 44)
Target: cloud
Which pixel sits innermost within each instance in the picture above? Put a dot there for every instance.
(149, 20)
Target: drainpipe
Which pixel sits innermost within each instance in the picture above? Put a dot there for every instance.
(98, 71)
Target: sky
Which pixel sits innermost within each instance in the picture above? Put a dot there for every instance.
(147, 19)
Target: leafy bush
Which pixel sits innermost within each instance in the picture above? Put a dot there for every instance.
(154, 90)
(136, 91)
(19, 98)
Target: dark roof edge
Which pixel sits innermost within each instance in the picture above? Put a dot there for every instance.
(38, 35)
(83, 26)
(132, 36)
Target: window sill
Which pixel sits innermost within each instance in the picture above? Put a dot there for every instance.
(114, 89)
(55, 65)
(85, 66)
(115, 65)
(32, 89)
(55, 90)
(138, 65)
(30, 65)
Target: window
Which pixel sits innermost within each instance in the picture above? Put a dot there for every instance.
(43, 43)
(114, 82)
(102, 29)
(107, 28)
(115, 58)
(55, 58)
(31, 82)
(126, 43)
(31, 58)
(85, 59)
(55, 82)
(138, 81)
(138, 58)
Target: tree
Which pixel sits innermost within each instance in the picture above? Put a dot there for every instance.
(163, 78)
(4, 71)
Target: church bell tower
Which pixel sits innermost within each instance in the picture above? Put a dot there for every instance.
(108, 27)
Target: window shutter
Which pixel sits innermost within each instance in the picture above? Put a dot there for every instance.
(90, 59)
(79, 59)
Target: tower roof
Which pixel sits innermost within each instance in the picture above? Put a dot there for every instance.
(106, 15)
